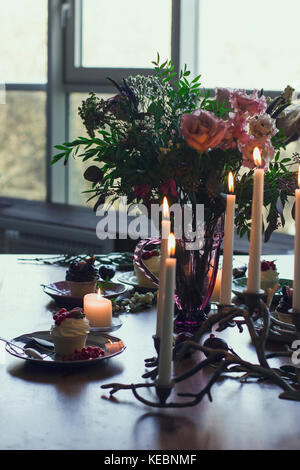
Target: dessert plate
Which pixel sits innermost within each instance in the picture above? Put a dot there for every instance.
(130, 279)
(60, 292)
(112, 347)
(239, 285)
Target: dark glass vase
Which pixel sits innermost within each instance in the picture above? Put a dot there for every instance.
(196, 273)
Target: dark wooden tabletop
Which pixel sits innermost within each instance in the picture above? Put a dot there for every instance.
(48, 408)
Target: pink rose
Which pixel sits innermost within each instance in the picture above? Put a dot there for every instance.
(236, 131)
(251, 104)
(202, 129)
(169, 187)
(141, 190)
(265, 146)
(239, 125)
(228, 142)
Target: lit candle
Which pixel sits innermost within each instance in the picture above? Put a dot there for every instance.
(253, 283)
(226, 283)
(215, 296)
(166, 340)
(296, 283)
(97, 309)
(165, 229)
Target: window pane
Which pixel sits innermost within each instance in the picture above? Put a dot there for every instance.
(125, 34)
(23, 145)
(77, 183)
(23, 41)
(249, 46)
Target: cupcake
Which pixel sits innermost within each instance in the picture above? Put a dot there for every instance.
(269, 275)
(69, 331)
(82, 277)
(151, 260)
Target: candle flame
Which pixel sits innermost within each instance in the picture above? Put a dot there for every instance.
(171, 244)
(299, 176)
(257, 157)
(99, 294)
(230, 182)
(166, 210)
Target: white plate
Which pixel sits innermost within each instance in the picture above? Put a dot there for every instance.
(130, 279)
(116, 323)
(111, 345)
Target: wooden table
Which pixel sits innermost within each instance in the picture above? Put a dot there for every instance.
(48, 408)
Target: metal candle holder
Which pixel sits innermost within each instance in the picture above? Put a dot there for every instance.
(228, 316)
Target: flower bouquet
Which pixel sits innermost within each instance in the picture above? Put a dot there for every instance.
(164, 135)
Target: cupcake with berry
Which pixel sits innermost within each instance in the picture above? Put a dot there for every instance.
(82, 277)
(269, 275)
(69, 331)
(151, 260)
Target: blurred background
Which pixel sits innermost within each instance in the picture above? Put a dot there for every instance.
(52, 53)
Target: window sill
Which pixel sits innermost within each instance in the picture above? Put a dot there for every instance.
(79, 224)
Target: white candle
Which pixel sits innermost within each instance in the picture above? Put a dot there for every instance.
(254, 267)
(296, 283)
(97, 309)
(226, 283)
(165, 230)
(166, 340)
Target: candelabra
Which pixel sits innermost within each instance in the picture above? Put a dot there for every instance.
(224, 360)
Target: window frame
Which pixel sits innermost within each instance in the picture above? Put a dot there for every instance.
(77, 74)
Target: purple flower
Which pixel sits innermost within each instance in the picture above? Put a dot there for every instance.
(142, 190)
(169, 187)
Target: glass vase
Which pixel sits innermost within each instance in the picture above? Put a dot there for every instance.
(196, 273)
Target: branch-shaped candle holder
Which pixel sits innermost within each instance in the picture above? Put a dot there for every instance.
(224, 361)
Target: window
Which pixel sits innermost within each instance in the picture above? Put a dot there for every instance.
(123, 36)
(76, 167)
(23, 69)
(249, 46)
(23, 145)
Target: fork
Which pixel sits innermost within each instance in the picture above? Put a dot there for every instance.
(28, 351)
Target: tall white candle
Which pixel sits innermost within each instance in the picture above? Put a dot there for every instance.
(165, 230)
(166, 340)
(226, 281)
(296, 283)
(254, 267)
